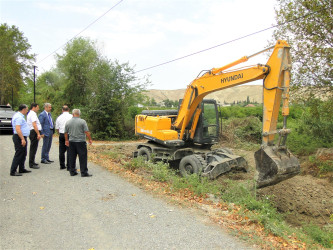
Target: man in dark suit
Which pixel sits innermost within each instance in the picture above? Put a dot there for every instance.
(46, 121)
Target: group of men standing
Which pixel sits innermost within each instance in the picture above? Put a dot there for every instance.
(72, 138)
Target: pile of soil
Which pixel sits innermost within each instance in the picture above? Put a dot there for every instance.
(302, 199)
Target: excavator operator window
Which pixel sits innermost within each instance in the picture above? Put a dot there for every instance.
(209, 120)
(208, 126)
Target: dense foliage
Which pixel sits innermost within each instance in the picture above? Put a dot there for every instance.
(307, 25)
(16, 61)
(311, 125)
(110, 110)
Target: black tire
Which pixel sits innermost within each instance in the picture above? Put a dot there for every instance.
(145, 153)
(191, 164)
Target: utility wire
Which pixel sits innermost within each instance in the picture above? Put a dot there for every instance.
(236, 39)
(82, 30)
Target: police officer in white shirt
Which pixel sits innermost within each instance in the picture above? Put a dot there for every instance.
(60, 127)
(35, 128)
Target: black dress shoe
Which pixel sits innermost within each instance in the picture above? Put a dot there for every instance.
(62, 167)
(15, 174)
(24, 171)
(45, 162)
(86, 175)
(73, 174)
(34, 166)
(49, 161)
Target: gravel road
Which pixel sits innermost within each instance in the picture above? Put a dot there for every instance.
(49, 209)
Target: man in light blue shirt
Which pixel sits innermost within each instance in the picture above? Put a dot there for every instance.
(21, 130)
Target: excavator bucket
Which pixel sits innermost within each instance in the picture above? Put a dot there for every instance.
(274, 165)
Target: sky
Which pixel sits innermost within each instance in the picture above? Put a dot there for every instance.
(145, 33)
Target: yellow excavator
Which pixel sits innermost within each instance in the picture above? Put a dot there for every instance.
(185, 136)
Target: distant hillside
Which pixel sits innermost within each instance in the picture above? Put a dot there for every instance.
(239, 93)
(230, 95)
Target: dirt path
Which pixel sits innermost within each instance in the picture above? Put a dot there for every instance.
(48, 209)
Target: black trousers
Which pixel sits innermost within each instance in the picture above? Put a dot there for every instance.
(78, 149)
(20, 154)
(62, 150)
(33, 147)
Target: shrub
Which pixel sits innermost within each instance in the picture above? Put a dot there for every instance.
(197, 184)
(241, 112)
(161, 171)
(317, 120)
(244, 129)
(135, 163)
(324, 163)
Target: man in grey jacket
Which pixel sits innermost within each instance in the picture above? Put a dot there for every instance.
(76, 129)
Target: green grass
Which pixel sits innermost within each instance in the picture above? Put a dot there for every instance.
(324, 166)
(113, 154)
(323, 236)
(199, 185)
(135, 163)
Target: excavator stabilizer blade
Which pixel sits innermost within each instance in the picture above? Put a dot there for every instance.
(274, 165)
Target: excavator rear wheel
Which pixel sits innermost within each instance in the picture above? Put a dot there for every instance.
(145, 153)
(191, 164)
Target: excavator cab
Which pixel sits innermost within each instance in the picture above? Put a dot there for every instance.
(207, 131)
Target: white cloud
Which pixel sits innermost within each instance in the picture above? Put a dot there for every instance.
(68, 7)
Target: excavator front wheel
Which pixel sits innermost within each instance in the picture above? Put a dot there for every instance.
(191, 164)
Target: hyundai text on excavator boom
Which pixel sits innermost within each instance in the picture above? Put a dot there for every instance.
(186, 136)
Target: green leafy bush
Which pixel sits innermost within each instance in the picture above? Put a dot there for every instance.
(317, 121)
(196, 183)
(135, 163)
(241, 112)
(161, 171)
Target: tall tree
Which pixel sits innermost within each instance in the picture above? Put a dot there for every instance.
(15, 61)
(308, 26)
(116, 90)
(77, 64)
